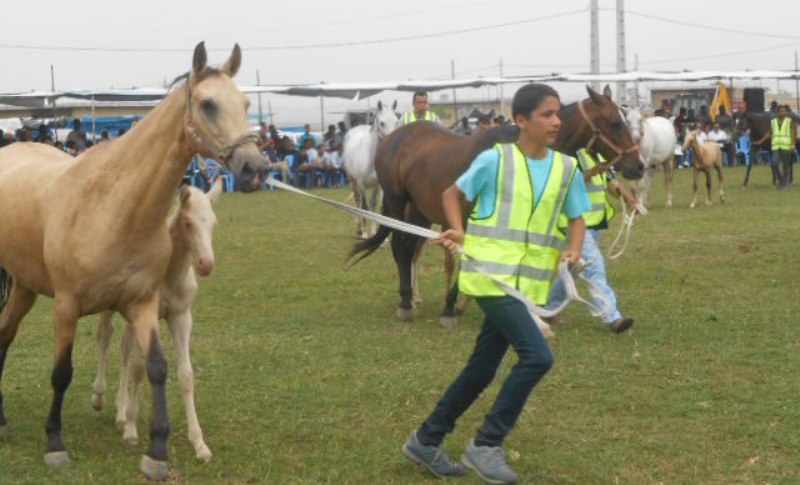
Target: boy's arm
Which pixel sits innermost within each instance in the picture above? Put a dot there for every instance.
(453, 200)
(576, 234)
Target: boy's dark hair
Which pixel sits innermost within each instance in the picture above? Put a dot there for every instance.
(419, 94)
(529, 97)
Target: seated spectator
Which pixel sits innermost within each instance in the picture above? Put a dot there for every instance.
(275, 165)
(44, 135)
(307, 136)
(341, 133)
(103, 137)
(329, 139)
(311, 152)
(335, 163)
(303, 169)
(77, 136)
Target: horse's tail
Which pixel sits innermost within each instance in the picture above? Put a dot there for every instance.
(6, 283)
(369, 245)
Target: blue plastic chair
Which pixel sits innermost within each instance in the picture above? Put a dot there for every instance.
(743, 147)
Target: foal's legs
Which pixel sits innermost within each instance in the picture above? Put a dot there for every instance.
(104, 331)
(129, 394)
(126, 347)
(694, 188)
(718, 168)
(181, 327)
(143, 317)
(67, 314)
(707, 172)
(19, 304)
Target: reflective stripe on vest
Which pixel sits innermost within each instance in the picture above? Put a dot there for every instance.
(782, 135)
(518, 243)
(601, 208)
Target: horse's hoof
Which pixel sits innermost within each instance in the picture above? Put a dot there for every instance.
(98, 401)
(449, 323)
(3, 432)
(131, 437)
(204, 454)
(417, 302)
(691, 206)
(153, 469)
(406, 314)
(57, 458)
(120, 423)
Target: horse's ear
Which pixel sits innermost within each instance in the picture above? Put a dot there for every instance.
(184, 195)
(200, 58)
(607, 91)
(596, 97)
(394, 105)
(216, 189)
(231, 66)
(380, 106)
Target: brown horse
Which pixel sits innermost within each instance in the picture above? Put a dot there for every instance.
(91, 232)
(416, 163)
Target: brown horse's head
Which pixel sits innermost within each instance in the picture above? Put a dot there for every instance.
(217, 119)
(611, 136)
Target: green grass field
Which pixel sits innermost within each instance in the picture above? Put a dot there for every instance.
(305, 376)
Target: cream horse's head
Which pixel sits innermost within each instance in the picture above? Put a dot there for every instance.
(196, 220)
(690, 141)
(216, 119)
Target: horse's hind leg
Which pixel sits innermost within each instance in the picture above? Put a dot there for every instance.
(403, 248)
(694, 188)
(104, 331)
(373, 207)
(67, 314)
(718, 168)
(181, 327)
(143, 316)
(416, 297)
(668, 175)
(707, 173)
(19, 304)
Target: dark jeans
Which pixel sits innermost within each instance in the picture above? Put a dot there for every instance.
(782, 166)
(507, 322)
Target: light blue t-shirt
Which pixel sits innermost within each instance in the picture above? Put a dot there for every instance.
(481, 180)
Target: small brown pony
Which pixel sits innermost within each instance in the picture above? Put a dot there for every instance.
(416, 163)
(706, 156)
(91, 231)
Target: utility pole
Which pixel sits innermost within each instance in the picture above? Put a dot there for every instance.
(621, 94)
(269, 107)
(502, 98)
(636, 84)
(455, 102)
(796, 85)
(53, 87)
(260, 112)
(594, 39)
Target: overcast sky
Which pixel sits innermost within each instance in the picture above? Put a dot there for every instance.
(266, 29)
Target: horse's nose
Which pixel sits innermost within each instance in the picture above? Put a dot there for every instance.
(204, 266)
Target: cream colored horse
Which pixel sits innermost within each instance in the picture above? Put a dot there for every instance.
(191, 229)
(706, 156)
(91, 231)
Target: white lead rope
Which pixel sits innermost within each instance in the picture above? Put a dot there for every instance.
(625, 228)
(537, 312)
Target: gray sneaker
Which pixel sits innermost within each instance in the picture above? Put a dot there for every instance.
(490, 463)
(433, 458)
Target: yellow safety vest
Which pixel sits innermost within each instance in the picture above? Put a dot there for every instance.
(519, 244)
(782, 135)
(411, 117)
(598, 196)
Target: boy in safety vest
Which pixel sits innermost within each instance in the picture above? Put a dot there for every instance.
(599, 185)
(519, 191)
(420, 111)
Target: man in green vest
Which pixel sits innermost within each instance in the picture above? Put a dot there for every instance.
(518, 192)
(784, 134)
(420, 111)
(599, 183)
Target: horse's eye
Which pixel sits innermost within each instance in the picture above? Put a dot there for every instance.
(382, 124)
(208, 106)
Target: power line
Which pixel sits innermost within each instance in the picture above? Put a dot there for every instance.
(305, 46)
(703, 26)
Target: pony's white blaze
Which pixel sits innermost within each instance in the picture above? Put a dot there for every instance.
(656, 139)
(360, 145)
(191, 230)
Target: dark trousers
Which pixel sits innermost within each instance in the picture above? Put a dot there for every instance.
(507, 322)
(782, 166)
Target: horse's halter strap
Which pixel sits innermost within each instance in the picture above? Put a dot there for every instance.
(598, 135)
(223, 154)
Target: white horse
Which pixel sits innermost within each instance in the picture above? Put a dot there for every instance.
(191, 230)
(656, 139)
(360, 144)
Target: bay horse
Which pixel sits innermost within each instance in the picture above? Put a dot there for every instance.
(191, 230)
(360, 144)
(707, 155)
(91, 231)
(417, 162)
(760, 126)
